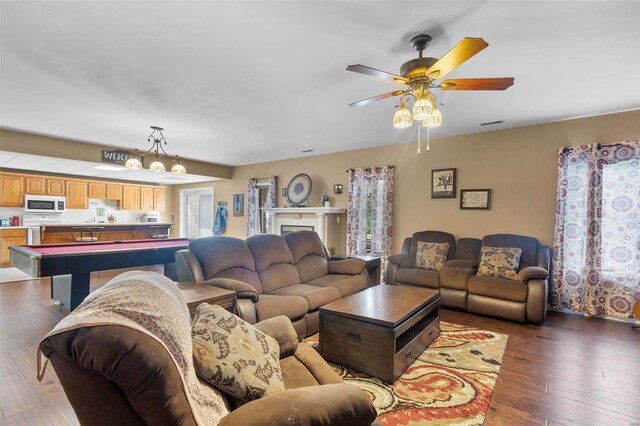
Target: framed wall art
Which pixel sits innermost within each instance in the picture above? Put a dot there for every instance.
(475, 199)
(238, 204)
(443, 183)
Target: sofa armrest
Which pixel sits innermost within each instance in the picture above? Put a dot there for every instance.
(188, 267)
(531, 273)
(460, 263)
(242, 289)
(537, 296)
(346, 266)
(403, 260)
(281, 329)
(336, 404)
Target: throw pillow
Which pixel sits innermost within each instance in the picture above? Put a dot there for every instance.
(233, 355)
(431, 256)
(501, 262)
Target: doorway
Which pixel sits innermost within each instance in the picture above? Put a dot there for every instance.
(196, 212)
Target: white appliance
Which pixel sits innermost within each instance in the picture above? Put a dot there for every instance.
(44, 204)
(152, 217)
(33, 222)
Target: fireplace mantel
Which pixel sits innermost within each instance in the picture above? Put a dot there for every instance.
(320, 213)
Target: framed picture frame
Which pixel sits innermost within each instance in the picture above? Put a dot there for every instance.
(475, 199)
(238, 204)
(443, 183)
(285, 229)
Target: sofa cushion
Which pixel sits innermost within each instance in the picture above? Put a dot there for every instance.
(528, 245)
(233, 355)
(226, 257)
(292, 307)
(420, 277)
(308, 254)
(347, 284)
(433, 237)
(315, 296)
(501, 262)
(273, 261)
(499, 288)
(431, 256)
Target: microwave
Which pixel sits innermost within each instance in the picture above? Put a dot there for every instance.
(44, 204)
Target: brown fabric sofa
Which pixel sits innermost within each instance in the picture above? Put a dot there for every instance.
(115, 375)
(522, 300)
(288, 275)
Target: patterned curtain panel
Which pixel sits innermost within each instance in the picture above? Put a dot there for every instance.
(272, 199)
(369, 215)
(597, 233)
(253, 212)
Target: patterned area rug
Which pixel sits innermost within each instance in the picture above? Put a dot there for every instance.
(449, 384)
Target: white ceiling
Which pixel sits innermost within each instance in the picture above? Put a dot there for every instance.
(243, 82)
(39, 163)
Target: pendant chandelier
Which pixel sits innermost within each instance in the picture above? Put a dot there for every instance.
(157, 139)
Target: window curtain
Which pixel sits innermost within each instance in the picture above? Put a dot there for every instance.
(253, 212)
(374, 186)
(597, 231)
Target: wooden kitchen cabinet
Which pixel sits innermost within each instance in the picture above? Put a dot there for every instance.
(114, 191)
(77, 194)
(158, 199)
(35, 185)
(11, 190)
(55, 187)
(97, 190)
(130, 197)
(8, 238)
(146, 198)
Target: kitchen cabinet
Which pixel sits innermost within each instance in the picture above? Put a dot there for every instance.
(146, 198)
(8, 238)
(11, 190)
(35, 185)
(55, 187)
(158, 199)
(97, 190)
(130, 197)
(77, 194)
(113, 191)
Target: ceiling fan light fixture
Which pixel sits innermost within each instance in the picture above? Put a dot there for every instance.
(402, 118)
(133, 163)
(423, 106)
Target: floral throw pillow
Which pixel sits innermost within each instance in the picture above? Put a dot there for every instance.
(233, 355)
(501, 262)
(431, 256)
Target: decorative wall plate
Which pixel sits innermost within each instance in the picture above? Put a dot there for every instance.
(299, 189)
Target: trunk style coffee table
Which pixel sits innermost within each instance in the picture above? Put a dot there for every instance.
(381, 330)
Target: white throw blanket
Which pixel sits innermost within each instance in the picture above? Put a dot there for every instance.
(152, 304)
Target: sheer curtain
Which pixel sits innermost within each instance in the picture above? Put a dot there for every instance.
(369, 214)
(597, 232)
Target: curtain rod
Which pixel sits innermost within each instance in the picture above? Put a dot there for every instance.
(367, 169)
(598, 145)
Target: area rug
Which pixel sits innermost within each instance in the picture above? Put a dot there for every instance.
(449, 384)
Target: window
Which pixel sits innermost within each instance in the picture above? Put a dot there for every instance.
(196, 212)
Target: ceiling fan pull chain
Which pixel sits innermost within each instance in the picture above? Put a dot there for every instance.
(428, 140)
(419, 140)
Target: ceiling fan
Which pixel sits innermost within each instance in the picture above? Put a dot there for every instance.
(421, 73)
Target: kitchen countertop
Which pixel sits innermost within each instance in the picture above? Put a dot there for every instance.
(88, 224)
(14, 227)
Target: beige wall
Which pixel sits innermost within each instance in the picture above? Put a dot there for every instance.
(519, 166)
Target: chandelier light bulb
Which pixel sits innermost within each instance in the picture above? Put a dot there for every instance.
(157, 166)
(402, 118)
(178, 169)
(133, 163)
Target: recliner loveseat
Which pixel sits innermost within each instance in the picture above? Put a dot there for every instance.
(273, 275)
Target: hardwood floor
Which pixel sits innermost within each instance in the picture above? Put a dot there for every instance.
(571, 371)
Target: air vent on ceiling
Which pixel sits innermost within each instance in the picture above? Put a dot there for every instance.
(308, 150)
(491, 123)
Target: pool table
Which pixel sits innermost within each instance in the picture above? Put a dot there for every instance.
(70, 265)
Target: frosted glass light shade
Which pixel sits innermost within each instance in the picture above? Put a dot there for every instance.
(178, 169)
(433, 120)
(402, 118)
(423, 106)
(133, 163)
(157, 166)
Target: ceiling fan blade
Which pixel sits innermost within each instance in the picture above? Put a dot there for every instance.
(363, 69)
(500, 83)
(465, 49)
(376, 98)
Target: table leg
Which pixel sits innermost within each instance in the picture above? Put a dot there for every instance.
(70, 289)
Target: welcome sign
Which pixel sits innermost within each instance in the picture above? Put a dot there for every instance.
(118, 157)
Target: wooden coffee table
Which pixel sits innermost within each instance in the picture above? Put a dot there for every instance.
(381, 330)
